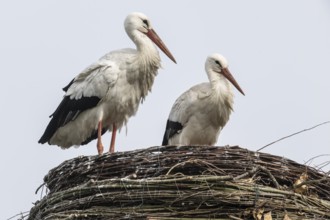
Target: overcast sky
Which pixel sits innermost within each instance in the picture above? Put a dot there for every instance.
(278, 51)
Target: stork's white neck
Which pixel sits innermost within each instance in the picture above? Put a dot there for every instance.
(221, 88)
(144, 45)
(148, 61)
(147, 52)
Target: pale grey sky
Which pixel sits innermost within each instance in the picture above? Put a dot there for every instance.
(278, 52)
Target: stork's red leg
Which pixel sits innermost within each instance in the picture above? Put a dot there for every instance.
(99, 144)
(113, 139)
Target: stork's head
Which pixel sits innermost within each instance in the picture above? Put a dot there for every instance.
(138, 22)
(217, 64)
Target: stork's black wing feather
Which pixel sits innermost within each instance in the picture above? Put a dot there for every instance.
(65, 89)
(172, 128)
(67, 111)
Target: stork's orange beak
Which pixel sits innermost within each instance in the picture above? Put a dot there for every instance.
(229, 76)
(156, 39)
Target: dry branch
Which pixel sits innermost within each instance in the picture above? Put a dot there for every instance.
(291, 135)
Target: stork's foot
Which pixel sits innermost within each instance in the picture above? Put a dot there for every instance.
(99, 147)
(112, 149)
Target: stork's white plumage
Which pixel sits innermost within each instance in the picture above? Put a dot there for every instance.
(108, 92)
(200, 113)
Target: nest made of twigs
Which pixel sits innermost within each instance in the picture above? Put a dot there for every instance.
(171, 182)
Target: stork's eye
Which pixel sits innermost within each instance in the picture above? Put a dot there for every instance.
(146, 22)
(217, 62)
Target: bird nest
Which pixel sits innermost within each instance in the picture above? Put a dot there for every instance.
(185, 182)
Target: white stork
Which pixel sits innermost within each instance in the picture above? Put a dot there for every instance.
(199, 114)
(104, 95)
